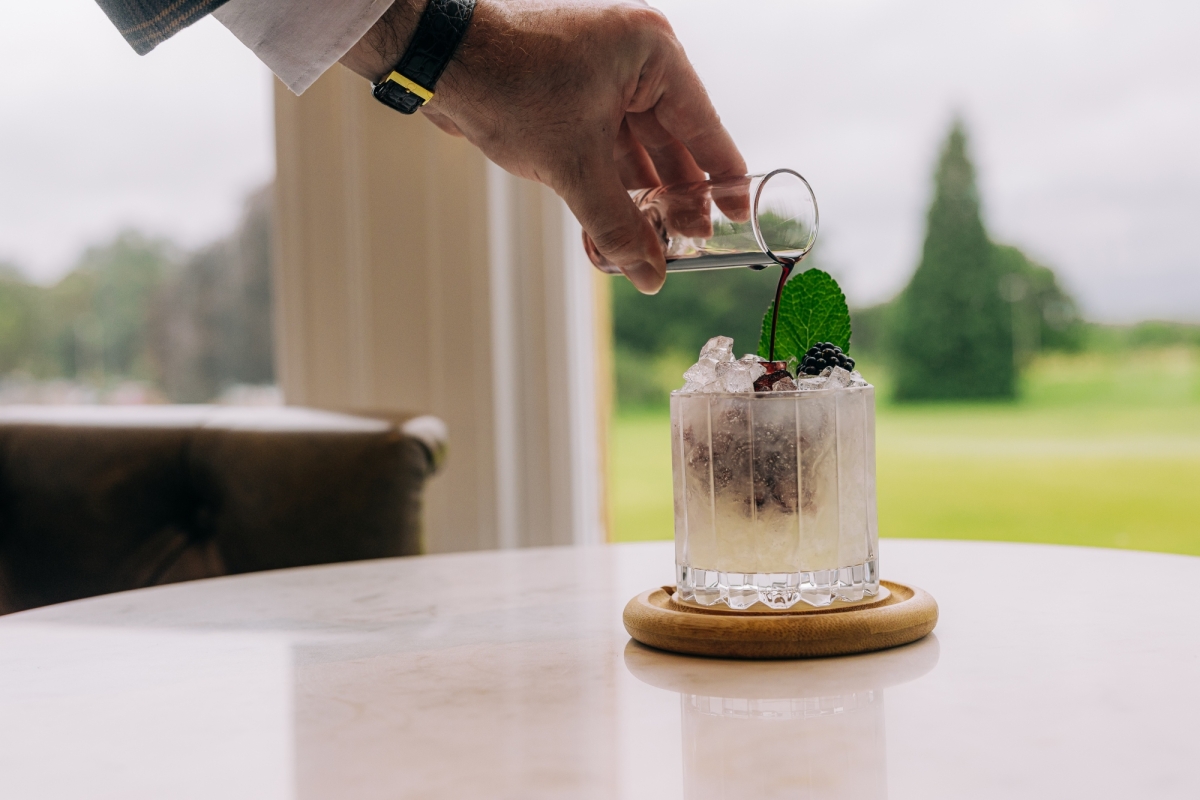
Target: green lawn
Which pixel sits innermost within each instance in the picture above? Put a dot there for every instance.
(1097, 452)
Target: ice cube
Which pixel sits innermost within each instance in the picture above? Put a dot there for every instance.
(738, 376)
(702, 372)
(858, 380)
(809, 383)
(719, 348)
(730, 372)
(784, 384)
(716, 370)
(838, 378)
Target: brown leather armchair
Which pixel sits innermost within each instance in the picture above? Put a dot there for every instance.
(102, 499)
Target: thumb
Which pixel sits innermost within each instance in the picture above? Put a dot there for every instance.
(620, 232)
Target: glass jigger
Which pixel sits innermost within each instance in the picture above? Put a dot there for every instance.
(748, 221)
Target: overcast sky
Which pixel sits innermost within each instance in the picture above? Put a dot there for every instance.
(1084, 120)
(94, 138)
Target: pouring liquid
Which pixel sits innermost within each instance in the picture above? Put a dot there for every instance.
(786, 266)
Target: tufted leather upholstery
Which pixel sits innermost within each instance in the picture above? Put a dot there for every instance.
(102, 499)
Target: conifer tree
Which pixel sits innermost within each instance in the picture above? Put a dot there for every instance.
(952, 329)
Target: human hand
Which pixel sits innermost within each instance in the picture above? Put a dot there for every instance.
(591, 99)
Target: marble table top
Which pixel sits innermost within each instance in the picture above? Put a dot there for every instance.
(508, 675)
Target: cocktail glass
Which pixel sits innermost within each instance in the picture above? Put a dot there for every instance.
(775, 497)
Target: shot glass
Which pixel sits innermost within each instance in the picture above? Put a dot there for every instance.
(748, 221)
(775, 497)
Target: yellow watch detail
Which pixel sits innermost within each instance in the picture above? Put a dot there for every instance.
(416, 88)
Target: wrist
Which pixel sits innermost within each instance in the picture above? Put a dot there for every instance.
(487, 26)
(374, 55)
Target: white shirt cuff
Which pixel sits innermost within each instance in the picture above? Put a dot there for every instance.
(300, 39)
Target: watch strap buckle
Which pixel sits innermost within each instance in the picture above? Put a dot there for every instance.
(408, 83)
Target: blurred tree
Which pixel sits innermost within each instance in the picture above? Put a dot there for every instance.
(951, 330)
(1148, 334)
(691, 308)
(131, 309)
(1044, 316)
(212, 321)
(20, 315)
(1162, 333)
(94, 320)
(870, 326)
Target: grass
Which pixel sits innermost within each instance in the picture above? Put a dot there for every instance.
(1096, 452)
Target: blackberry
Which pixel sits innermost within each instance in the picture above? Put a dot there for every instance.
(822, 355)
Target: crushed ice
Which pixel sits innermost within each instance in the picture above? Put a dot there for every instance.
(836, 378)
(784, 385)
(717, 371)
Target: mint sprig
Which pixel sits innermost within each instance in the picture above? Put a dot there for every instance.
(812, 309)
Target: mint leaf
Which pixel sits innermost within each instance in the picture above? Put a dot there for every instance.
(812, 309)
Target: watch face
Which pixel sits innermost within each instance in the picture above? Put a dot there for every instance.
(393, 94)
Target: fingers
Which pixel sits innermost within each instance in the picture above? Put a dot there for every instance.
(686, 113)
(633, 163)
(686, 212)
(672, 161)
(732, 195)
(594, 192)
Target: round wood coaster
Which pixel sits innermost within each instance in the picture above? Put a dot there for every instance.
(902, 615)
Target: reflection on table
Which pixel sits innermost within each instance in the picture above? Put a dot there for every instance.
(797, 729)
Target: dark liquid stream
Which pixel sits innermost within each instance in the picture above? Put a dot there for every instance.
(787, 270)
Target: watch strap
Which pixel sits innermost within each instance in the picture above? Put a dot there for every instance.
(411, 82)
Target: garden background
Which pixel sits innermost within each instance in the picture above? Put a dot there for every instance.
(131, 275)
(1002, 414)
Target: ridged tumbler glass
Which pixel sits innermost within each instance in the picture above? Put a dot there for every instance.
(775, 497)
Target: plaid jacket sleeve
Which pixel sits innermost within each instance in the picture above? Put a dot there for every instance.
(147, 23)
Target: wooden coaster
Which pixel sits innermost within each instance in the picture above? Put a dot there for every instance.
(901, 615)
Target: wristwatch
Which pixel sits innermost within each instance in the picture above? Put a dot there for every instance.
(439, 31)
